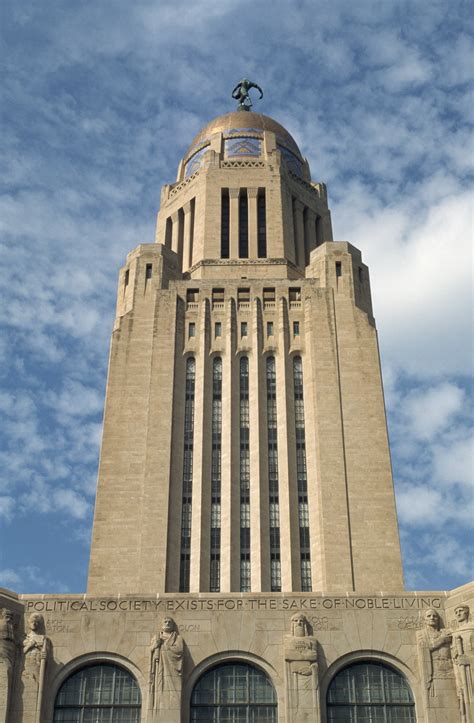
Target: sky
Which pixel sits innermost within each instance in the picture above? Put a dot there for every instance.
(100, 100)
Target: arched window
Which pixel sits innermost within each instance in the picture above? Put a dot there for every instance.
(98, 693)
(233, 692)
(369, 693)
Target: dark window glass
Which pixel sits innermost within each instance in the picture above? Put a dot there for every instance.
(168, 233)
(244, 475)
(269, 296)
(234, 693)
(148, 271)
(218, 296)
(216, 432)
(243, 296)
(370, 692)
(243, 328)
(98, 693)
(273, 483)
(225, 223)
(218, 329)
(296, 328)
(269, 328)
(338, 268)
(301, 475)
(192, 296)
(126, 278)
(261, 225)
(243, 225)
(191, 329)
(188, 451)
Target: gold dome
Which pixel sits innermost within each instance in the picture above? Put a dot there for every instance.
(240, 120)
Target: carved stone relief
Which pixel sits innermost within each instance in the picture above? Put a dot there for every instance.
(166, 662)
(36, 651)
(7, 660)
(436, 666)
(463, 657)
(301, 662)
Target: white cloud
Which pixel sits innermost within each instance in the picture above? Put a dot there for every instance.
(9, 578)
(7, 506)
(454, 464)
(28, 578)
(429, 411)
(69, 501)
(419, 505)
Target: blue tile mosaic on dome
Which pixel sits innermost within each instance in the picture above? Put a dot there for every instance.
(195, 162)
(232, 131)
(292, 162)
(242, 147)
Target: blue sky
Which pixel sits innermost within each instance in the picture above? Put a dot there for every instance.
(100, 100)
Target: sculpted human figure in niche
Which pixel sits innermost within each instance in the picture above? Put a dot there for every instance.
(7, 660)
(36, 649)
(166, 652)
(436, 664)
(301, 656)
(463, 657)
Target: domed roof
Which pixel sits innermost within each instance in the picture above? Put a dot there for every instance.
(238, 121)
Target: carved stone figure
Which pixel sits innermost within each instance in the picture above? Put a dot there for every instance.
(7, 660)
(241, 93)
(436, 665)
(463, 657)
(36, 648)
(166, 662)
(301, 656)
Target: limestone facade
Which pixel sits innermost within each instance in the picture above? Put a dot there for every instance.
(245, 527)
(251, 628)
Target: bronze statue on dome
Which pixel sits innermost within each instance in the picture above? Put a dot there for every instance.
(241, 93)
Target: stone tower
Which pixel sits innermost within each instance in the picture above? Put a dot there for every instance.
(245, 443)
(244, 484)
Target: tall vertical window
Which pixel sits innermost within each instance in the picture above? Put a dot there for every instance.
(168, 232)
(186, 506)
(244, 477)
(301, 476)
(192, 212)
(273, 486)
(261, 225)
(225, 223)
(243, 224)
(215, 581)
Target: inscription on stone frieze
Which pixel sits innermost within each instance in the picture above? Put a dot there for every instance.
(405, 622)
(188, 604)
(56, 625)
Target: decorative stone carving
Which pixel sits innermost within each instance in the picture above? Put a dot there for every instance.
(301, 656)
(36, 649)
(436, 666)
(166, 662)
(7, 660)
(463, 657)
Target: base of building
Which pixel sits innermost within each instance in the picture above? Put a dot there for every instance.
(299, 641)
